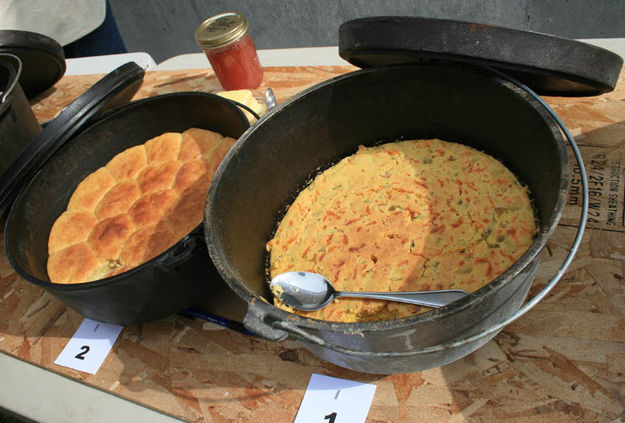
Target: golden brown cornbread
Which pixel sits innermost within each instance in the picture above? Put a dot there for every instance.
(140, 203)
(404, 216)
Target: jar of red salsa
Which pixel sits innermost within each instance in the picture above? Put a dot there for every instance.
(229, 48)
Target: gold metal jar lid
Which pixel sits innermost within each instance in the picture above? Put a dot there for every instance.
(221, 29)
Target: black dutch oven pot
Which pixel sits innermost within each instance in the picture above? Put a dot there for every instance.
(43, 59)
(270, 162)
(169, 283)
(18, 125)
(30, 63)
(330, 121)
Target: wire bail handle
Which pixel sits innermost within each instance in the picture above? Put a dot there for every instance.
(10, 88)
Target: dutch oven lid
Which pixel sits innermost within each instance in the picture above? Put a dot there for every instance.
(43, 59)
(115, 89)
(549, 65)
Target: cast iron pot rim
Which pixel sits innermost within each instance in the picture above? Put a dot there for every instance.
(272, 313)
(129, 273)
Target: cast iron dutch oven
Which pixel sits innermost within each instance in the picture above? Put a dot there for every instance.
(18, 125)
(170, 282)
(43, 59)
(29, 64)
(270, 162)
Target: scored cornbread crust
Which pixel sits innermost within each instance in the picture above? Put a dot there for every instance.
(143, 201)
(404, 216)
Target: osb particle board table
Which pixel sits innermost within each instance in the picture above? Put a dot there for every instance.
(563, 361)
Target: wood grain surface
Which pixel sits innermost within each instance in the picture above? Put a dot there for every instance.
(563, 361)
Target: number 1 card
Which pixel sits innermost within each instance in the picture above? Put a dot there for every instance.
(331, 400)
(89, 346)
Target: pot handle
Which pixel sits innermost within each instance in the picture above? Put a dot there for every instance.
(302, 334)
(183, 249)
(256, 321)
(5, 94)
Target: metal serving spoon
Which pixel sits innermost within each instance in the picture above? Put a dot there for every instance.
(310, 291)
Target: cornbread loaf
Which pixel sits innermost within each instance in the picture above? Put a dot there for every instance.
(143, 201)
(404, 216)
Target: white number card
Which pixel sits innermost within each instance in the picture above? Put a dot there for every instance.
(89, 346)
(331, 400)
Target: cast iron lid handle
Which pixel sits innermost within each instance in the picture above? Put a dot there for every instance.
(115, 89)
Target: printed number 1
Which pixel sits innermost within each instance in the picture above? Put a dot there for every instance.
(330, 417)
(84, 350)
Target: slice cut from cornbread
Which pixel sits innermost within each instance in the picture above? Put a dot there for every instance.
(247, 98)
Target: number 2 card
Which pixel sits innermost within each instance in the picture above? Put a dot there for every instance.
(331, 400)
(89, 346)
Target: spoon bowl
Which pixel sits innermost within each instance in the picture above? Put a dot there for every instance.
(310, 291)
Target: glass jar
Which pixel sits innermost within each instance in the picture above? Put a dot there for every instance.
(230, 50)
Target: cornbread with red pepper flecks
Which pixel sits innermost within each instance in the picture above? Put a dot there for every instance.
(143, 201)
(404, 216)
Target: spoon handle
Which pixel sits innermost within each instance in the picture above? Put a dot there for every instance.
(434, 299)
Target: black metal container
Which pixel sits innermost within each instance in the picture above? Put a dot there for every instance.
(170, 282)
(18, 125)
(327, 122)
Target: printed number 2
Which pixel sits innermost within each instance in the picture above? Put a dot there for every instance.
(84, 350)
(330, 417)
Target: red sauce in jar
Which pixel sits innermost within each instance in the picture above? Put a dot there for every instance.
(229, 48)
(236, 64)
